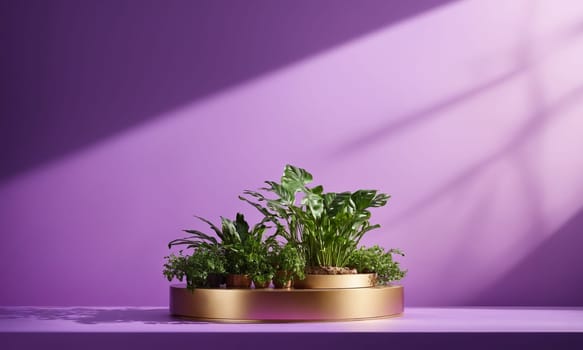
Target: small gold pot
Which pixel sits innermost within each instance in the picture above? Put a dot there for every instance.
(359, 280)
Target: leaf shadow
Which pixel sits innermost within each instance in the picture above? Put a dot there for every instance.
(86, 315)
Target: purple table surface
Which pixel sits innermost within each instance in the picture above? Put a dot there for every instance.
(157, 319)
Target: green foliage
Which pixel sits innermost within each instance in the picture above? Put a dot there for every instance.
(327, 226)
(262, 278)
(250, 258)
(195, 268)
(176, 266)
(320, 228)
(376, 260)
(259, 266)
(230, 233)
(290, 260)
(243, 247)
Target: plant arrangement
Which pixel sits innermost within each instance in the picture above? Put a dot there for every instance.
(326, 226)
(241, 250)
(321, 232)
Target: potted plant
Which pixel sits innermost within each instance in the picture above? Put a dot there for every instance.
(201, 269)
(289, 264)
(326, 226)
(259, 266)
(244, 264)
(237, 240)
(315, 245)
(378, 261)
(248, 262)
(177, 266)
(237, 267)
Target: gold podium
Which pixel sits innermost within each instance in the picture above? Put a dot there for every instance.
(286, 305)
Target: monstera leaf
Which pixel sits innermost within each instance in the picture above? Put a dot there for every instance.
(295, 179)
(327, 226)
(314, 200)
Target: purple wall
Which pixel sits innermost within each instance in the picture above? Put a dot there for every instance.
(122, 119)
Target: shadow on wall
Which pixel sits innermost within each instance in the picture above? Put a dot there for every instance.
(75, 72)
(543, 113)
(551, 275)
(524, 65)
(95, 316)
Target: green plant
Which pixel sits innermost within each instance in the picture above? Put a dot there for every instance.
(258, 254)
(195, 268)
(244, 248)
(250, 258)
(176, 266)
(376, 260)
(327, 226)
(237, 259)
(289, 261)
(231, 233)
(262, 279)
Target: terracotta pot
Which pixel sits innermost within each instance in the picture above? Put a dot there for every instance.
(238, 281)
(214, 280)
(260, 285)
(282, 276)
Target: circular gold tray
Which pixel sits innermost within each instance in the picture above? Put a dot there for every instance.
(277, 305)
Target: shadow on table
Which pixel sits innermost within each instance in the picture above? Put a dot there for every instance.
(95, 315)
